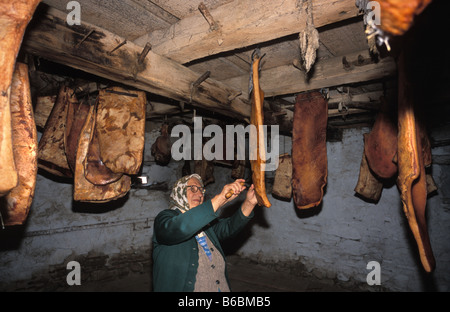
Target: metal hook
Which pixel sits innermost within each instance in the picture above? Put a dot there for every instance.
(257, 53)
(342, 108)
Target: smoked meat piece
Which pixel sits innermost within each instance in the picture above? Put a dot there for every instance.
(282, 184)
(95, 170)
(24, 137)
(51, 150)
(161, 148)
(85, 190)
(256, 119)
(309, 149)
(14, 18)
(411, 179)
(76, 117)
(368, 185)
(380, 146)
(205, 169)
(8, 171)
(121, 128)
(397, 16)
(43, 108)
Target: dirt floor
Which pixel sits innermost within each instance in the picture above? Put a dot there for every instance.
(245, 276)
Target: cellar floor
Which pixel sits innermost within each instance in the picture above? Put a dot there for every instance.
(245, 276)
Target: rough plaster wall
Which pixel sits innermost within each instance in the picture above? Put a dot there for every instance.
(335, 241)
(59, 230)
(345, 232)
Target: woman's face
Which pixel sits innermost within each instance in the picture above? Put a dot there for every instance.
(194, 199)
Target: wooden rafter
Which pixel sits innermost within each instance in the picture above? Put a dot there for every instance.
(288, 79)
(88, 48)
(241, 23)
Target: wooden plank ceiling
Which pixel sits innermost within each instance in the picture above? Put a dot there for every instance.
(184, 46)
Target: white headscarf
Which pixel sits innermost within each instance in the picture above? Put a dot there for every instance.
(178, 197)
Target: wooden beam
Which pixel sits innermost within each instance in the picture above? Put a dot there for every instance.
(288, 79)
(88, 48)
(157, 109)
(241, 23)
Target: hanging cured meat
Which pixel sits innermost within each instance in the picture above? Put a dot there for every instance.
(256, 119)
(24, 137)
(121, 128)
(368, 185)
(397, 16)
(205, 169)
(411, 167)
(85, 190)
(14, 18)
(381, 144)
(309, 150)
(282, 186)
(161, 148)
(8, 172)
(42, 109)
(76, 118)
(51, 150)
(95, 170)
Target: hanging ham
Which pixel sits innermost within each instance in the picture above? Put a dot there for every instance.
(161, 148)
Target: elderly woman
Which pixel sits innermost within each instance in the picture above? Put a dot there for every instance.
(187, 255)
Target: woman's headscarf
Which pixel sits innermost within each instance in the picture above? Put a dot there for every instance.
(178, 197)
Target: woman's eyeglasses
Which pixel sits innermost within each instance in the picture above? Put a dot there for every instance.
(195, 188)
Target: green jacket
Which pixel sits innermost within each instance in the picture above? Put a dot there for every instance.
(175, 249)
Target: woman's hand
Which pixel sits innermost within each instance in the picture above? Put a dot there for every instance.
(250, 201)
(234, 189)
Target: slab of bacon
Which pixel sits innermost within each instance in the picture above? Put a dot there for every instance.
(120, 124)
(368, 185)
(24, 137)
(309, 150)
(411, 179)
(380, 145)
(51, 150)
(14, 18)
(84, 190)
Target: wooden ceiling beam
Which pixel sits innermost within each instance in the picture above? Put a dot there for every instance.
(99, 52)
(287, 79)
(241, 23)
